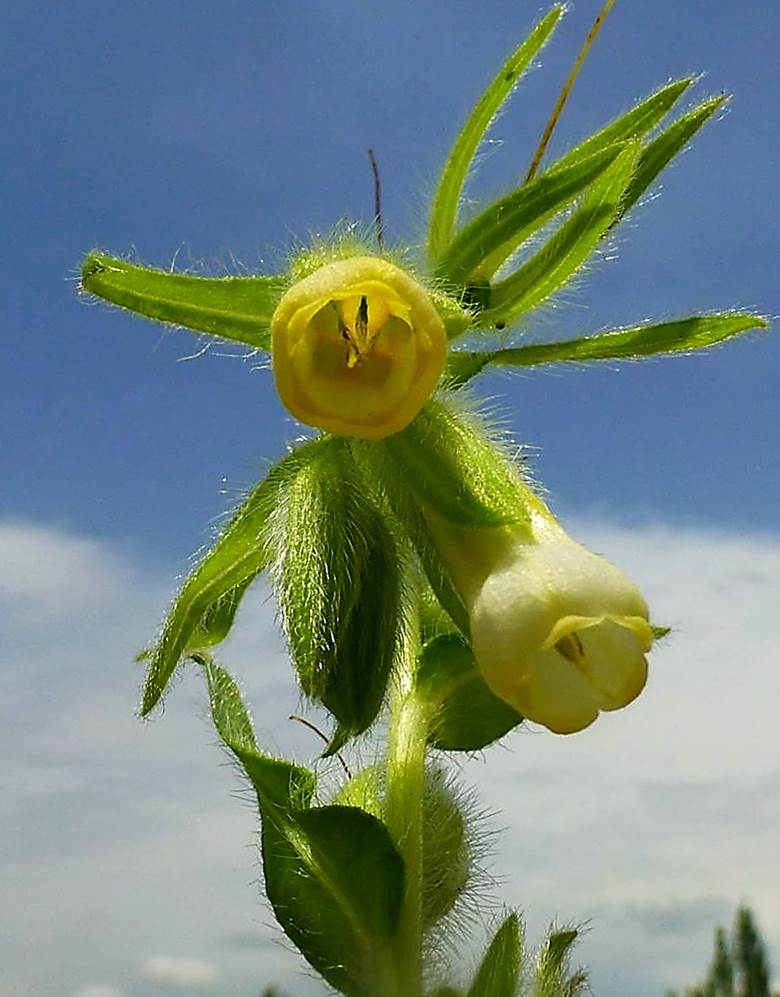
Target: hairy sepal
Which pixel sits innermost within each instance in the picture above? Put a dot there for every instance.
(337, 575)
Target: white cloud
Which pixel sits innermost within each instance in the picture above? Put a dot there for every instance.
(48, 574)
(98, 992)
(123, 838)
(177, 971)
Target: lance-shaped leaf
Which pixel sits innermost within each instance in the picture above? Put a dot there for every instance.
(641, 119)
(499, 972)
(445, 203)
(233, 308)
(517, 215)
(681, 336)
(657, 154)
(205, 607)
(638, 121)
(467, 716)
(332, 874)
(337, 574)
(553, 976)
(448, 465)
(566, 251)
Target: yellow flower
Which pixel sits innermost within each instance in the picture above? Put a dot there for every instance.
(557, 632)
(357, 348)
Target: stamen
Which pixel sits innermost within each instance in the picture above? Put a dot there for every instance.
(571, 648)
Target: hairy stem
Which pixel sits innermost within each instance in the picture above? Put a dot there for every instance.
(403, 815)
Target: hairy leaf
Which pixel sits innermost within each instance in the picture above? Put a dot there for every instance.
(643, 117)
(672, 140)
(566, 251)
(633, 124)
(333, 875)
(234, 308)
(499, 972)
(512, 218)
(445, 203)
(681, 336)
(207, 601)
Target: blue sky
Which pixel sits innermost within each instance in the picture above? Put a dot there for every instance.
(225, 133)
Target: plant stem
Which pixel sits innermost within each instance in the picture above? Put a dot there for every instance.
(403, 815)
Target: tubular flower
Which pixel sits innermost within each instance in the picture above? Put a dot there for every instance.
(357, 348)
(557, 631)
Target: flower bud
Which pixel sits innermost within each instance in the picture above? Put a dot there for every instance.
(358, 348)
(559, 633)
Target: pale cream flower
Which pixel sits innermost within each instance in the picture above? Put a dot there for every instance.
(557, 631)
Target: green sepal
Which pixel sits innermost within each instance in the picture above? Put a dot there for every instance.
(568, 248)
(204, 609)
(444, 209)
(661, 150)
(660, 632)
(407, 512)
(233, 308)
(337, 575)
(553, 976)
(456, 317)
(499, 972)
(449, 466)
(332, 874)
(466, 715)
(513, 218)
(680, 336)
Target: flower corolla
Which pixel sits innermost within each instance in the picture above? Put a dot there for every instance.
(358, 347)
(557, 631)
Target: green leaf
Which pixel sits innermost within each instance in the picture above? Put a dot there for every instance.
(448, 464)
(552, 974)
(512, 218)
(658, 153)
(336, 883)
(333, 875)
(234, 308)
(277, 782)
(445, 203)
(566, 251)
(467, 716)
(633, 124)
(499, 972)
(209, 596)
(216, 622)
(337, 577)
(681, 336)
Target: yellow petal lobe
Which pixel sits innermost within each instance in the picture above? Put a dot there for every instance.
(358, 348)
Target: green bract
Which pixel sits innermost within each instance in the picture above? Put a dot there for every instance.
(419, 577)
